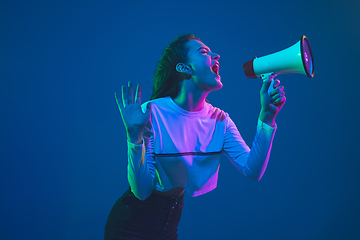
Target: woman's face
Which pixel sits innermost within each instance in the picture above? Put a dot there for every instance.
(204, 65)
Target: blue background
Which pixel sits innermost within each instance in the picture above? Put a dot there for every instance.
(63, 144)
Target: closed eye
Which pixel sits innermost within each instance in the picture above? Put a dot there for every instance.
(203, 50)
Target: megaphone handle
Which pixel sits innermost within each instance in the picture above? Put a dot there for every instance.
(271, 87)
(265, 77)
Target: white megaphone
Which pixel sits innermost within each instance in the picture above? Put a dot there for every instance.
(295, 59)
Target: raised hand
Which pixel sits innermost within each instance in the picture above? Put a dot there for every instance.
(271, 105)
(130, 108)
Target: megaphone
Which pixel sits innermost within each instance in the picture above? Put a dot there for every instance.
(295, 59)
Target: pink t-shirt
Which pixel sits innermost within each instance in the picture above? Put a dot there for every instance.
(182, 149)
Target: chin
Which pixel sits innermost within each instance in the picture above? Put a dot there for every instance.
(219, 83)
(216, 86)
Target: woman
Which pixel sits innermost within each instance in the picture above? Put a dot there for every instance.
(175, 141)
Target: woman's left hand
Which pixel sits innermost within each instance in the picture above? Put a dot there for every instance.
(271, 105)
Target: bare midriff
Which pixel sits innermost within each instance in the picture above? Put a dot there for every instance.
(175, 192)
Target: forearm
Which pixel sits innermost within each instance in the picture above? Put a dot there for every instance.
(140, 173)
(258, 157)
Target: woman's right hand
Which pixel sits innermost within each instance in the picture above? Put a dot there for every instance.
(133, 117)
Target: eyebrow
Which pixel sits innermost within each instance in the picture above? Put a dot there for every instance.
(204, 48)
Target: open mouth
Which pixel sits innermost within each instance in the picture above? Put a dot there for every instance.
(215, 68)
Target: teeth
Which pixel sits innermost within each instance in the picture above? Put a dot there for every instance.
(215, 68)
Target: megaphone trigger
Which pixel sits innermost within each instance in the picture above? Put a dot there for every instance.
(271, 87)
(267, 76)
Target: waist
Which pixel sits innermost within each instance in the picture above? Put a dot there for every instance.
(177, 192)
(157, 199)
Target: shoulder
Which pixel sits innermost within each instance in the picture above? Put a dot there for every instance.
(216, 113)
(155, 102)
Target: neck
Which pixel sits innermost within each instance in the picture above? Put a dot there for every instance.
(191, 101)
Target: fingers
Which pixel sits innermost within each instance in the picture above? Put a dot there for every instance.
(127, 95)
(120, 105)
(275, 97)
(280, 102)
(138, 94)
(276, 90)
(123, 97)
(276, 82)
(130, 93)
(278, 99)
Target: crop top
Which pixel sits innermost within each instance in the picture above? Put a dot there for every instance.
(182, 149)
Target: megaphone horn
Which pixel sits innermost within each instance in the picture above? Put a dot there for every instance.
(295, 59)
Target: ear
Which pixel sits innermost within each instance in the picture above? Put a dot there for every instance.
(183, 68)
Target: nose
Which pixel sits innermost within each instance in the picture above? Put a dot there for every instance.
(216, 56)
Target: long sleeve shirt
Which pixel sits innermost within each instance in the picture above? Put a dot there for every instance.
(182, 149)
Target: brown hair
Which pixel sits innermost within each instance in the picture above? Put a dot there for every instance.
(166, 77)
